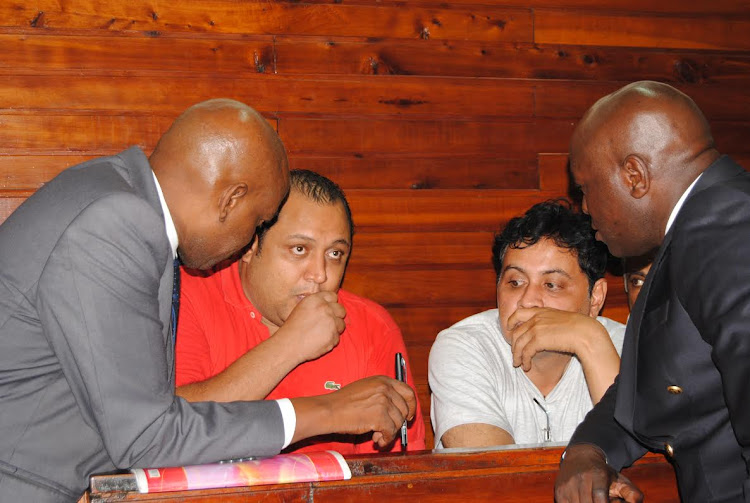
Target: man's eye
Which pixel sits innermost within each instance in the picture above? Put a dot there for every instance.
(298, 250)
(552, 286)
(636, 282)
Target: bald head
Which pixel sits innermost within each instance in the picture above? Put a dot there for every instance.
(219, 163)
(640, 147)
(652, 120)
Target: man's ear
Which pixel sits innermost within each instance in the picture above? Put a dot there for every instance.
(636, 176)
(230, 197)
(598, 296)
(250, 253)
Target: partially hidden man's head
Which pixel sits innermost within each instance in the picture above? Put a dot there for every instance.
(549, 257)
(303, 251)
(635, 270)
(223, 171)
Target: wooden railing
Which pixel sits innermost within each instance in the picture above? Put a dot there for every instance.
(504, 474)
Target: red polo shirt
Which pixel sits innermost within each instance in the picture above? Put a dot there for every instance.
(218, 324)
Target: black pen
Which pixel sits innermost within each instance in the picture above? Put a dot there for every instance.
(401, 376)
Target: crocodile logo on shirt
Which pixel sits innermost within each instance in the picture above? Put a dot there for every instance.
(332, 385)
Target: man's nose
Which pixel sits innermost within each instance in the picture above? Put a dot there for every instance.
(531, 297)
(316, 270)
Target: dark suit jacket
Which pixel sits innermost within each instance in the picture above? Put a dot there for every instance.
(684, 383)
(86, 356)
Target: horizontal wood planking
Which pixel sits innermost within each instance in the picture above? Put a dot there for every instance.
(721, 7)
(445, 172)
(337, 95)
(29, 172)
(439, 210)
(424, 287)
(727, 102)
(26, 132)
(259, 17)
(557, 26)
(394, 96)
(400, 250)
(309, 136)
(323, 136)
(64, 133)
(505, 60)
(35, 51)
(31, 53)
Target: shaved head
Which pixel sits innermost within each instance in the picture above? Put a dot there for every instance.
(223, 171)
(634, 153)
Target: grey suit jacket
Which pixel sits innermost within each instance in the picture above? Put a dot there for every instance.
(86, 356)
(684, 383)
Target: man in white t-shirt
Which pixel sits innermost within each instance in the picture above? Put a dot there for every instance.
(529, 371)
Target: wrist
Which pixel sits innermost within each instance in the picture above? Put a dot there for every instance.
(588, 450)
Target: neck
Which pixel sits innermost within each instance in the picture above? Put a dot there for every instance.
(547, 368)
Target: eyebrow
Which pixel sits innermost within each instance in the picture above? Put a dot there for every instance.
(545, 272)
(303, 237)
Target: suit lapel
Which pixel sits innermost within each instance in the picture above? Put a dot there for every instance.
(141, 178)
(624, 407)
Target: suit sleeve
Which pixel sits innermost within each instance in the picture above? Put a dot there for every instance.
(97, 299)
(386, 342)
(715, 246)
(600, 428)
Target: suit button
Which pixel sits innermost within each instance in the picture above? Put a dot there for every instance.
(675, 390)
(670, 451)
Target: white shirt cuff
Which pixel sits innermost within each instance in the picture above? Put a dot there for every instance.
(290, 420)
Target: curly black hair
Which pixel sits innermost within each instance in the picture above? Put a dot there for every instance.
(555, 220)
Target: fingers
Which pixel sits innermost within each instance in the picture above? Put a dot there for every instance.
(524, 345)
(624, 490)
(400, 406)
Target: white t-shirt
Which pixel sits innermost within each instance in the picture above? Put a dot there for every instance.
(473, 380)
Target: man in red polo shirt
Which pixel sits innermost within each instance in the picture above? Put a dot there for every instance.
(275, 324)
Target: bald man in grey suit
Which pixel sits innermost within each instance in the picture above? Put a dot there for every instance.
(86, 290)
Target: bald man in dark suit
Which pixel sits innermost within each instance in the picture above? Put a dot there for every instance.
(652, 178)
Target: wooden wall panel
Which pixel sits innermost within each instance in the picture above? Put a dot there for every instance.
(441, 120)
(558, 26)
(446, 172)
(332, 96)
(258, 17)
(302, 135)
(504, 60)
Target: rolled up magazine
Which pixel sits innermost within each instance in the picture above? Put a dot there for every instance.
(284, 468)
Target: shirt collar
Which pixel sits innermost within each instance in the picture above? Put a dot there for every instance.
(679, 204)
(168, 222)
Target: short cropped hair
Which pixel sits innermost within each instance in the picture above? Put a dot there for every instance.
(567, 228)
(315, 187)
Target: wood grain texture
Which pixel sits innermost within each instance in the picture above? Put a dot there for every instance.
(424, 173)
(258, 17)
(332, 96)
(558, 26)
(518, 475)
(310, 55)
(308, 136)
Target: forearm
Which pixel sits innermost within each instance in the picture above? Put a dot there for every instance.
(600, 363)
(476, 435)
(251, 377)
